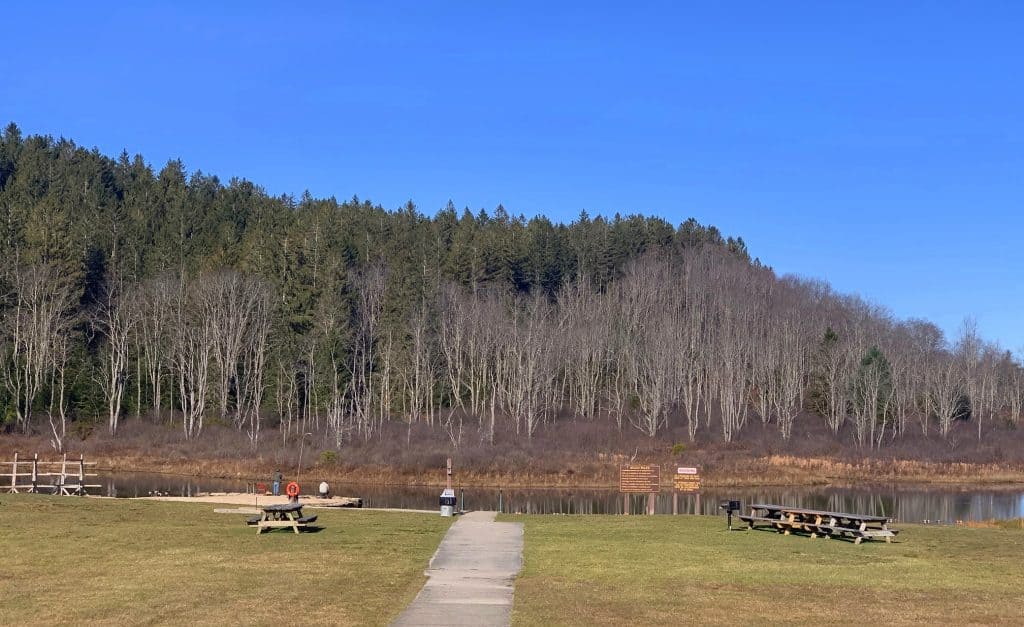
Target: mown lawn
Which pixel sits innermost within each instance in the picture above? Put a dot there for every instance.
(660, 570)
(67, 560)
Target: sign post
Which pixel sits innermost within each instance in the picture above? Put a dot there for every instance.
(687, 481)
(639, 479)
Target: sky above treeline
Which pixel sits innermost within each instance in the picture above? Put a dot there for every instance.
(876, 145)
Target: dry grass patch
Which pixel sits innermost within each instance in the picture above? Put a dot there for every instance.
(637, 570)
(103, 561)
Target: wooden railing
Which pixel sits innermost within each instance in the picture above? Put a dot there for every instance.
(65, 477)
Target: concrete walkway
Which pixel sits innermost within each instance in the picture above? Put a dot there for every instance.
(470, 576)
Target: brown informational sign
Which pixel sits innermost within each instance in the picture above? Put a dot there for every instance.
(686, 479)
(640, 478)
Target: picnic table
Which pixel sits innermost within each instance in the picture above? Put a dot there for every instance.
(820, 523)
(288, 515)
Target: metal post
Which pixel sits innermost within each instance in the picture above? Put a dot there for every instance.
(14, 475)
(35, 472)
(500, 509)
(462, 499)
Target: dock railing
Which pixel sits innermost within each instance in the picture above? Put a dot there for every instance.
(35, 476)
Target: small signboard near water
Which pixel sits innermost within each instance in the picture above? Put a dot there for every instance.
(640, 478)
(686, 479)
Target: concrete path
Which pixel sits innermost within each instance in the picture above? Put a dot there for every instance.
(470, 576)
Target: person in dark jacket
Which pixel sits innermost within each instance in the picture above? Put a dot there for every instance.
(278, 478)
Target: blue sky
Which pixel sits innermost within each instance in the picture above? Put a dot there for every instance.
(879, 146)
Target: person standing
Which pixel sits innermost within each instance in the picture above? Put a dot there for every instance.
(278, 478)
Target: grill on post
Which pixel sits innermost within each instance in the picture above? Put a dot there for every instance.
(730, 506)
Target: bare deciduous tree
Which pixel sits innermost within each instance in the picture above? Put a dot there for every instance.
(34, 325)
(115, 320)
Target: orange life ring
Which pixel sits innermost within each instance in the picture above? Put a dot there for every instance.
(292, 489)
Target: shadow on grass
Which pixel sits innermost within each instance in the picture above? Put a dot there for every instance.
(303, 531)
(804, 534)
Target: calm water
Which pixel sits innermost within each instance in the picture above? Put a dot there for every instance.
(903, 504)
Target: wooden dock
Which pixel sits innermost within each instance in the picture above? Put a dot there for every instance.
(64, 477)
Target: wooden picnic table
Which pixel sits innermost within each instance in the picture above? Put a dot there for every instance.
(817, 522)
(288, 515)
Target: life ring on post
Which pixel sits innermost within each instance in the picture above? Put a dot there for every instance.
(292, 489)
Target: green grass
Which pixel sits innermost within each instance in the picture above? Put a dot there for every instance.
(604, 570)
(66, 560)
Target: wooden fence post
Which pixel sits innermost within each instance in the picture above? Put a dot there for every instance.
(35, 473)
(60, 489)
(14, 475)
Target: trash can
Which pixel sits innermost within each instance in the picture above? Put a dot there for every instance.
(448, 503)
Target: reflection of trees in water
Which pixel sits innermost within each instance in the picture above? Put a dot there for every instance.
(127, 485)
(903, 505)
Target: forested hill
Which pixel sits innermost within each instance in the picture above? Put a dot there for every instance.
(92, 216)
(165, 295)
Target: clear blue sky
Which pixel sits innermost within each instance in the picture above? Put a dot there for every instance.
(879, 146)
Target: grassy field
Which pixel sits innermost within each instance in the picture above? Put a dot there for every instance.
(67, 560)
(660, 570)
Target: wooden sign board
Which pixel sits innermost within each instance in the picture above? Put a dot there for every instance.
(640, 478)
(686, 479)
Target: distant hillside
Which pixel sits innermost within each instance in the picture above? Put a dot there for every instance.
(131, 294)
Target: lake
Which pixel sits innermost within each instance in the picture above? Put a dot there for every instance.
(901, 503)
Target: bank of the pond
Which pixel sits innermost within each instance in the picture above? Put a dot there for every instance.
(942, 504)
(597, 472)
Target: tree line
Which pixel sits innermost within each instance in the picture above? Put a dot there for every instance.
(179, 299)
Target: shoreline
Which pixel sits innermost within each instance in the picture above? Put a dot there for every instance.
(775, 471)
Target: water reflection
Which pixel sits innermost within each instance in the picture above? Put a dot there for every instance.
(903, 504)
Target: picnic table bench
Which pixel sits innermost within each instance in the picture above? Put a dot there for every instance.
(823, 523)
(288, 515)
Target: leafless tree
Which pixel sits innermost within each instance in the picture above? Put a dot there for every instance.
(791, 375)
(421, 372)
(157, 301)
(584, 331)
(946, 393)
(370, 285)
(1014, 390)
(192, 350)
(230, 301)
(42, 304)
(454, 324)
(253, 383)
(115, 320)
(57, 411)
